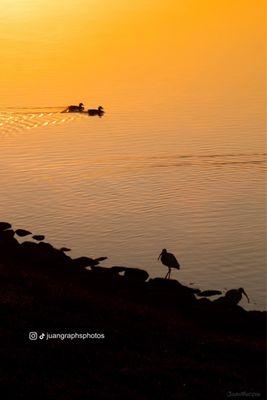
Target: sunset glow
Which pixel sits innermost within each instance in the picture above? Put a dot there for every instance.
(88, 48)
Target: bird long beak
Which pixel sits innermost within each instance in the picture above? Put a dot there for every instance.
(246, 296)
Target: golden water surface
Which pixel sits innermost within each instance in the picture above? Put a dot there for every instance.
(178, 159)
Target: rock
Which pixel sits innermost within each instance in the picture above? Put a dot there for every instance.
(8, 234)
(43, 255)
(22, 232)
(208, 293)
(171, 284)
(171, 293)
(131, 274)
(101, 259)
(118, 269)
(29, 247)
(164, 283)
(4, 226)
(204, 302)
(8, 244)
(101, 271)
(136, 274)
(38, 237)
(82, 262)
(64, 249)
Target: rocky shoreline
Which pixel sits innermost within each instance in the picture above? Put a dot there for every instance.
(163, 340)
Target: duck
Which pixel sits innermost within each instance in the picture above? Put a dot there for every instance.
(96, 111)
(79, 108)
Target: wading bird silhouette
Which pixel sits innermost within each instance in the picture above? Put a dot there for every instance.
(169, 260)
(234, 296)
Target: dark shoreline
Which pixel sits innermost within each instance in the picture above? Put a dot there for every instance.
(160, 341)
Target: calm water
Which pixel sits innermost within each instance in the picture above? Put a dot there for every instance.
(141, 179)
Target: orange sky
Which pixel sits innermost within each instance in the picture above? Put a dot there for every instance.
(53, 55)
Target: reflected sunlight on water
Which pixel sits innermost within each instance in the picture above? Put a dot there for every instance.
(17, 119)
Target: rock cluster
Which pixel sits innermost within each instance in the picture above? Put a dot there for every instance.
(132, 281)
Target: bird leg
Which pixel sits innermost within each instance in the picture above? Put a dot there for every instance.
(168, 274)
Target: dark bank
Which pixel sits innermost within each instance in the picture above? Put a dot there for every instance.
(150, 338)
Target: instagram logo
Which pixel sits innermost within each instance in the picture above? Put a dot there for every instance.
(33, 336)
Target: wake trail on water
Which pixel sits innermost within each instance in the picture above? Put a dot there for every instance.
(17, 119)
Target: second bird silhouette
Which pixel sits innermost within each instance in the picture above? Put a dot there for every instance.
(169, 260)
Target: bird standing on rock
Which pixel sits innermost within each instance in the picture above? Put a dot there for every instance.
(234, 296)
(169, 260)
